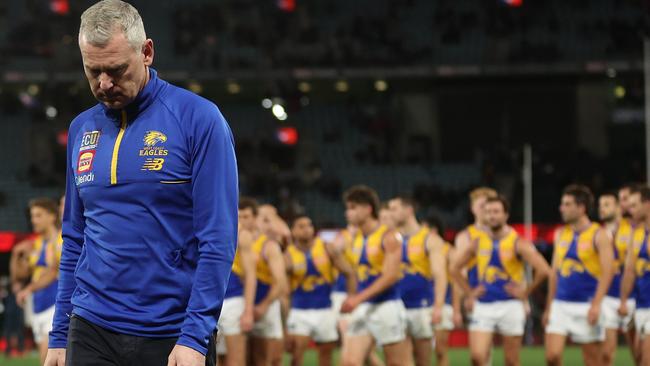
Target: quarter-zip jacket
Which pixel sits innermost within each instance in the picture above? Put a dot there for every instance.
(150, 224)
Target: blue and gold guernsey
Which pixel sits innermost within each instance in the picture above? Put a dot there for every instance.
(312, 276)
(235, 285)
(577, 264)
(498, 263)
(38, 261)
(622, 238)
(368, 256)
(262, 269)
(642, 267)
(475, 235)
(416, 287)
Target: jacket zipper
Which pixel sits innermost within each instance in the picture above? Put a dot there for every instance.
(116, 149)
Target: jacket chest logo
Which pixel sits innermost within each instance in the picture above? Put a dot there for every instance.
(153, 149)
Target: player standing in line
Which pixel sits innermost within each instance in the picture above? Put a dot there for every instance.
(620, 228)
(583, 259)
(239, 300)
(266, 343)
(424, 285)
(42, 256)
(312, 268)
(501, 292)
(637, 271)
(379, 313)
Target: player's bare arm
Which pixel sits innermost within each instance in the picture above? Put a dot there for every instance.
(280, 286)
(604, 245)
(627, 282)
(247, 257)
(542, 270)
(438, 264)
(341, 263)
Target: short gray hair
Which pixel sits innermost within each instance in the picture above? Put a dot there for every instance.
(100, 22)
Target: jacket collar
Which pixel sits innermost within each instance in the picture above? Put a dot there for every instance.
(142, 101)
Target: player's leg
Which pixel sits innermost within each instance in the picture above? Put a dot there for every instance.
(236, 350)
(420, 334)
(326, 353)
(299, 346)
(480, 343)
(609, 346)
(554, 344)
(257, 351)
(442, 346)
(422, 350)
(592, 353)
(357, 348)
(512, 349)
(634, 343)
(397, 354)
(645, 350)
(373, 358)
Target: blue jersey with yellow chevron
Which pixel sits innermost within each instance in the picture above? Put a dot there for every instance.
(498, 264)
(262, 269)
(642, 267)
(622, 238)
(42, 253)
(312, 276)
(416, 287)
(475, 234)
(235, 285)
(577, 264)
(368, 255)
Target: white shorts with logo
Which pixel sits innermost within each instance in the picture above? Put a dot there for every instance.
(418, 321)
(611, 319)
(384, 321)
(642, 322)
(42, 324)
(270, 326)
(507, 317)
(570, 319)
(318, 324)
(228, 323)
(337, 300)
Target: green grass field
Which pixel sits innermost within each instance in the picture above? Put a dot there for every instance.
(530, 356)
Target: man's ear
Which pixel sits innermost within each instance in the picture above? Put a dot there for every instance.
(148, 52)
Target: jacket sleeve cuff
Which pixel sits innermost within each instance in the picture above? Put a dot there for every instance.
(56, 343)
(187, 341)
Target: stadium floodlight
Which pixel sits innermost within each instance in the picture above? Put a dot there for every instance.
(278, 112)
(304, 87)
(233, 87)
(381, 85)
(619, 92)
(283, 117)
(342, 86)
(267, 103)
(33, 90)
(51, 112)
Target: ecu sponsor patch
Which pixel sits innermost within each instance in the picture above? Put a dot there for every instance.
(89, 140)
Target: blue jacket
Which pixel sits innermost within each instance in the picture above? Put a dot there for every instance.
(150, 224)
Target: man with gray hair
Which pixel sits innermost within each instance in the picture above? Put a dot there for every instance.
(150, 225)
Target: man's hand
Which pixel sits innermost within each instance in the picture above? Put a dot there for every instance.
(516, 290)
(185, 356)
(350, 303)
(593, 314)
(458, 319)
(55, 357)
(477, 292)
(22, 295)
(622, 309)
(259, 311)
(436, 315)
(247, 320)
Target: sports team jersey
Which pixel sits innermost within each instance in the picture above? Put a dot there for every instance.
(368, 255)
(577, 264)
(340, 284)
(312, 276)
(235, 285)
(262, 269)
(498, 264)
(45, 297)
(416, 287)
(472, 271)
(642, 267)
(622, 238)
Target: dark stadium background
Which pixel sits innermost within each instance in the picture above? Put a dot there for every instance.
(429, 97)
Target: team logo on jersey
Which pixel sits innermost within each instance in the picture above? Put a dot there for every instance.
(152, 144)
(563, 244)
(89, 140)
(153, 164)
(584, 245)
(85, 162)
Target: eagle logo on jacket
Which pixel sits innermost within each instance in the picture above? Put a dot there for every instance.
(151, 138)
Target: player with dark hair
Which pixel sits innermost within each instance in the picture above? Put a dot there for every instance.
(583, 260)
(502, 289)
(378, 311)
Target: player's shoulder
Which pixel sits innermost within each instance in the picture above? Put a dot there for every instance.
(87, 116)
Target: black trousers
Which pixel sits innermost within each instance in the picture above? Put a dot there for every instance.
(91, 345)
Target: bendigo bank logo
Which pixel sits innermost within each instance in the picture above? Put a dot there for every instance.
(152, 140)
